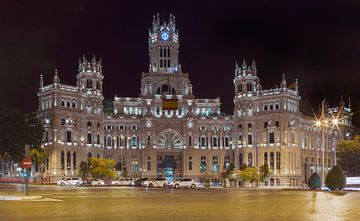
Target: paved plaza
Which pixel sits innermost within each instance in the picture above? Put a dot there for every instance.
(123, 203)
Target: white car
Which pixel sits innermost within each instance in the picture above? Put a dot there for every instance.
(183, 182)
(156, 182)
(97, 182)
(71, 181)
(123, 182)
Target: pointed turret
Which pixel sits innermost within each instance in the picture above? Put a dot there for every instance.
(236, 69)
(341, 103)
(349, 104)
(56, 79)
(283, 82)
(253, 67)
(41, 83)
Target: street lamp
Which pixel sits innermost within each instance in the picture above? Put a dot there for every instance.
(326, 125)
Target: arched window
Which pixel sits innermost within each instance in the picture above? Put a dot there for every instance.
(240, 126)
(265, 107)
(98, 85)
(271, 160)
(249, 126)
(88, 124)
(250, 160)
(68, 104)
(89, 140)
(62, 160)
(239, 87)
(266, 124)
(62, 103)
(271, 107)
(265, 158)
(73, 105)
(203, 142)
(88, 83)
(277, 123)
(68, 160)
(165, 89)
(74, 160)
(277, 106)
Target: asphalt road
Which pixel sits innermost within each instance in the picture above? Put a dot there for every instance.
(116, 203)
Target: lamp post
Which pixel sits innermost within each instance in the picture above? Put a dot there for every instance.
(325, 125)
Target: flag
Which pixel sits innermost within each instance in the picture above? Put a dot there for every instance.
(170, 104)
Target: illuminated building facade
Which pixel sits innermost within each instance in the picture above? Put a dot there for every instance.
(194, 139)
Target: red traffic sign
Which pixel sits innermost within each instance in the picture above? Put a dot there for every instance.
(26, 163)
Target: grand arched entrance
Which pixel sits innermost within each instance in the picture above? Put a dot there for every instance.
(170, 154)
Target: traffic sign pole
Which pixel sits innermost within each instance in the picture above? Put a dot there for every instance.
(26, 163)
(26, 182)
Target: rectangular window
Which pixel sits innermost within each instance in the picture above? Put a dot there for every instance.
(68, 136)
(190, 139)
(149, 164)
(190, 165)
(271, 137)
(89, 138)
(148, 140)
(46, 136)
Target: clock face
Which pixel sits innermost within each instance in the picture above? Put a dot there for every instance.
(164, 36)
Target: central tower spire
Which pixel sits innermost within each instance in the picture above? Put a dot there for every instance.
(163, 46)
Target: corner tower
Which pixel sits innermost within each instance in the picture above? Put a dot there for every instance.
(163, 46)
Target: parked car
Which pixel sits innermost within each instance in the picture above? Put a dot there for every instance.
(183, 182)
(97, 182)
(156, 182)
(71, 181)
(123, 182)
(138, 181)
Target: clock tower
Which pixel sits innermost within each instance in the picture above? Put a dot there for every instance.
(163, 46)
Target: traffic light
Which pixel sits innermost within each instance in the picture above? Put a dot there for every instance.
(26, 174)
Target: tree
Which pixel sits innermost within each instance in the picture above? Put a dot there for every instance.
(250, 174)
(264, 172)
(314, 182)
(17, 129)
(227, 171)
(348, 154)
(39, 156)
(335, 179)
(102, 168)
(84, 170)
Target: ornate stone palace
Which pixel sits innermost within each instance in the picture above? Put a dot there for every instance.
(168, 132)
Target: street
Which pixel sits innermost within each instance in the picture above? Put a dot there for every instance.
(124, 203)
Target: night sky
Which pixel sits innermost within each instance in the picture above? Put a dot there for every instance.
(317, 42)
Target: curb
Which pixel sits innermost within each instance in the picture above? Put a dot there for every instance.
(20, 197)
